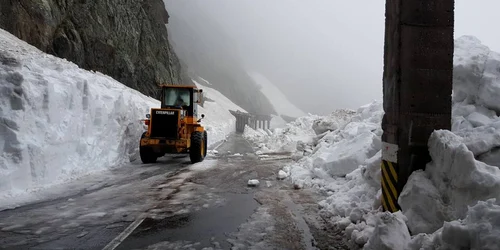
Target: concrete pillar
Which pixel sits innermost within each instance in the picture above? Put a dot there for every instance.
(237, 123)
(417, 79)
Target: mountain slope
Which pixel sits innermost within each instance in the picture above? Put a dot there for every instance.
(279, 101)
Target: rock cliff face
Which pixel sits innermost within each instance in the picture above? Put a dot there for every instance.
(126, 39)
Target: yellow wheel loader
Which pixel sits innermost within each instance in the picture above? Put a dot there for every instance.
(174, 127)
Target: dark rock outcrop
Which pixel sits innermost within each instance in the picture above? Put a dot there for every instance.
(126, 39)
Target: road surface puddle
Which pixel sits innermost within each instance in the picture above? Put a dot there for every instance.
(204, 228)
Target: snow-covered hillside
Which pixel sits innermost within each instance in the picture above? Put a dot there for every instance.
(60, 122)
(453, 204)
(279, 101)
(218, 122)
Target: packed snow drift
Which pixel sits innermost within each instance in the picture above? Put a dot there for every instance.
(60, 122)
(453, 204)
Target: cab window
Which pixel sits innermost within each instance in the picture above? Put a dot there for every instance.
(176, 97)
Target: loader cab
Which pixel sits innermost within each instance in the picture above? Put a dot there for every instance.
(186, 98)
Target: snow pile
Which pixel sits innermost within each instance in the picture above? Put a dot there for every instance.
(299, 136)
(344, 162)
(390, 232)
(282, 175)
(338, 153)
(463, 171)
(282, 140)
(253, 183)
(336, 120)
(279, 101)
(479, 230)
(475, 79)
(59, 122)
(218, 121)
(454, 180)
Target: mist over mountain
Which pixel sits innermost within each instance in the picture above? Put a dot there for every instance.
(305, 48)
(207, 51)
(322, 54)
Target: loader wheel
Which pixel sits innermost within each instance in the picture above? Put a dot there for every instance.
(147, 154)
(205, 139)
(197, 149)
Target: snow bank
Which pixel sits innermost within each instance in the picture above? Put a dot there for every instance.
(475, 79)
(390, 233)
(340, 152)
(59, 121)
(462, 173)
(218, 121)
(300, 135)
(336, 120)
(282, 140)
(457, 181)
(479, 230)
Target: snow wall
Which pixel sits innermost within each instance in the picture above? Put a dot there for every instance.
(59, 122)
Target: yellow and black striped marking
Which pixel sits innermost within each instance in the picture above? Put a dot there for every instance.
(389, 186)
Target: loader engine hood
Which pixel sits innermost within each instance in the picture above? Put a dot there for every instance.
(165, 123)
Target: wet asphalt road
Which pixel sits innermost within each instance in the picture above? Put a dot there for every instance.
(167, 206)
(203, 227)
(90, 212)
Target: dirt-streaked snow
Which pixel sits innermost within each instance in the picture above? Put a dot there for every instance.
(59, 122)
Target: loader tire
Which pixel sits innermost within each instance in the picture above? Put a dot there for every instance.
(205, 139)
(147, 154)
(197, 149)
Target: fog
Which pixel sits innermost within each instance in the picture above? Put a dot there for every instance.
(323, 54)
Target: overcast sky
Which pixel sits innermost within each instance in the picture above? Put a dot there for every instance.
(327, 54)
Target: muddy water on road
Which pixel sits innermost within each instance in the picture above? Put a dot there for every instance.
(205, 228)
